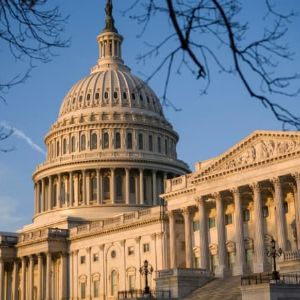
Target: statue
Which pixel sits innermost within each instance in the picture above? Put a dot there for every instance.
(109, 20)
(108, 8)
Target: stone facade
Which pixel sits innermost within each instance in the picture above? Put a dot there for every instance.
(112, 193)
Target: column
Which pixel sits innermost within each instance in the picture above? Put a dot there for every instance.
(240, 263)
(188, 238)
(101, 188)
(50, 193)
(112, 186)
(141, 186)
(203, 232)
(71, 189)
(280, 216)
(1, 278)
(43, 196)
(173, 250)
(164, 183)
(98, 186)
(75, 287)
(127, 186)
(38, 194)
(48, 276)
(76, 191)
(83, 187)
(23, 279)
(297, 207)
(31, 277)
(66, 191)
(88, 188)
(154, 187)
(259, 247)
(58, 204)
(40, 277)
(15, 286)
(64, 278)
(71, 275)
(35, 199)
(222, 253)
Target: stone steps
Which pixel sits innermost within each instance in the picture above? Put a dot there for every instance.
(219, 289)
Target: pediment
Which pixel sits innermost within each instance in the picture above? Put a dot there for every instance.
(259, 147)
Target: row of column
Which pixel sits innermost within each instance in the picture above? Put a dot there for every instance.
(24, 290)
(73, 190)
(259, 246)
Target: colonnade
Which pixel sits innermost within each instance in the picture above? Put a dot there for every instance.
(260, 260)
(99, 186)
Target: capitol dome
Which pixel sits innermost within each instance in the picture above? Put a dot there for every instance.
(111, 148)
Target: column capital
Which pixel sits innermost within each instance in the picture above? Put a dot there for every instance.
(255, 186)
(235, 191)
(199, 200)
(101, 247)
(153, 236)
(186, 210)
(217, 196)
(275, 181)
(296, 176)
(137, 239)
(171, 213)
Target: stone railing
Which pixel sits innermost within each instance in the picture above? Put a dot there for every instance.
(42, 234)
(151, 213)
(108, 154)
(184, 272)
(291, 255)
(178, 183)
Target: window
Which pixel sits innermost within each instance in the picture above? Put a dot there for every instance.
(211, 222)
(96, 285)
(62, 193)
(196, 262)
(119, 187)
(82, 142)
(97, 96)
(158, 144)
(228, 219)
(113, 254)
(82, 260)
(95, 257)
(130, 250)
(246, 215)
(124, 95)
(73, 144)
(94, 188)
(115, 95)
(133, 96)
(195, 225)
(265, 211)
(166, 147)
(286, 207)
(146, 247)
(114, 283)
(182, 246)
(131, 282)
(64, 146)
(141, 141)
(150, 141)
(249, 256)
(88, 97)
(105, 144)
(94, 141)
(106, 189)
(129, 140)
(230, 260)
(117, 140)
(131, 185)
(82, 290)
(106, 95)
(57, 148)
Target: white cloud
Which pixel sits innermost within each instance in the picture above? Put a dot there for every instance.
(21, 135)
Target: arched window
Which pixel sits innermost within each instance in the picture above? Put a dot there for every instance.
(94, 188)
(129, 140)
(82, 142)
(106, 187)
(118, 140)
(114, 287)
(73, 144)
(93, 141)
(159, 144)
(64, 146)
(119, 187)
(57, 148)
(166, 147)
(141, 141)
(150, 141)
(105, 144)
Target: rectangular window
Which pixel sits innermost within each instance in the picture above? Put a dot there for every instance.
(146, 247)
(130, 250)
(96, 288)
(196, 262)
(82, 260)
(286, 207)
(131, 282)
(211, 222)
(150, 143)
(246, 215)
(82, 290)
(95, 257)
(159, 145)
(265, 211)
(182, 244)
(195, 226)
(228, 219)
(141, 141)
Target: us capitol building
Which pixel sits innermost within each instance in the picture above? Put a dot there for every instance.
(112, 193)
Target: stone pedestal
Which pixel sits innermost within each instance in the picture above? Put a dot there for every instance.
(181, 282)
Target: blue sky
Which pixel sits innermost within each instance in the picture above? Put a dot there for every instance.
(207, 124)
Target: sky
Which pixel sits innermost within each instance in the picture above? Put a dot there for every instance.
(207, 124)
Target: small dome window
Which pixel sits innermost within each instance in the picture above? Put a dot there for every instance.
(115, 95)
(88, 97)
(80, 98)
(148, 100)
(133, 96)
(97, 95)
(106, 95)
(74, 99)
(141, 97)
(124, 95)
